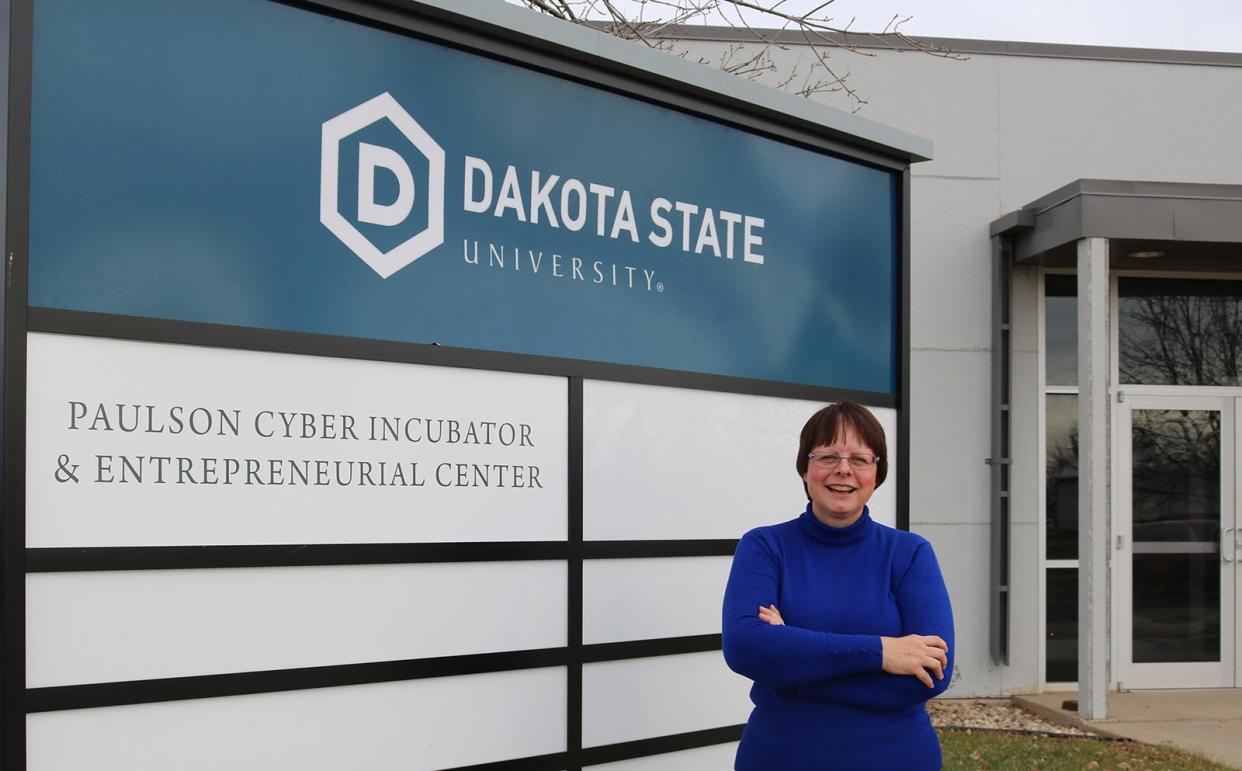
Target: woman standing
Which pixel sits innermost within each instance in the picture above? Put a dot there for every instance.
(843, 623)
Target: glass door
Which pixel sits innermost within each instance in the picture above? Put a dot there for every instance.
(1175, 550)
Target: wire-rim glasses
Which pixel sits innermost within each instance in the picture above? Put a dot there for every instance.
(830, 460)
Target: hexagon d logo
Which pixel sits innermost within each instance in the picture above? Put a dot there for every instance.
(369, 158)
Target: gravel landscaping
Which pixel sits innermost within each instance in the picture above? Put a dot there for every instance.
(994, 715)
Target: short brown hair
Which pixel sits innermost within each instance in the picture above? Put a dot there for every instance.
(830, 423)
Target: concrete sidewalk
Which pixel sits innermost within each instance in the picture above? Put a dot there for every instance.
(1208, 722)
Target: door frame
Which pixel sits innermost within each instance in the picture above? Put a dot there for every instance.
(1222, 674)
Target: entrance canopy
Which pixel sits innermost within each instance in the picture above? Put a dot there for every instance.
(1149, 225)
(1096, 226)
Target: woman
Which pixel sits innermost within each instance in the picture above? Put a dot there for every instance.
(843, 623)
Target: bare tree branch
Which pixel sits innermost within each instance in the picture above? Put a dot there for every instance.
(661, 24)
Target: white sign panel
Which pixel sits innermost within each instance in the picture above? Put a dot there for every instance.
(677, 463)
(143, 444)
(146, 624)
(410, 725)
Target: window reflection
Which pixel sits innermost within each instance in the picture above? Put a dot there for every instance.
(1061, 650)
(1176, 520)
(1176, 472)
(1060, 330)
(1179, 331)
(1061, 444)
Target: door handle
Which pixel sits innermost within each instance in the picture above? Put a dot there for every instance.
(1224, 544)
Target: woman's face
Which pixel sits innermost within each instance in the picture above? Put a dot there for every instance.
(838, 494)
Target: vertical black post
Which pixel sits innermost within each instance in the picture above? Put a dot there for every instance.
(18, 14)
(573, 696)
(903, 360)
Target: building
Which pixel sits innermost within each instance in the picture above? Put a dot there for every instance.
(1043, 151)
(577, 415)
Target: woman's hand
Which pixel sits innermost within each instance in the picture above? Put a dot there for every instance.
(771, 615)
(915, 655)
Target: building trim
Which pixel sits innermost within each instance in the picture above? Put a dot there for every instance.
(961, 46)
(1203, 221)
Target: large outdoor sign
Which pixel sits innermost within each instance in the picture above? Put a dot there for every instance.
(264, 166)
(387, 384)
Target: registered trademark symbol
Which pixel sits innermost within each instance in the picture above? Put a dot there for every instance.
(659, 286)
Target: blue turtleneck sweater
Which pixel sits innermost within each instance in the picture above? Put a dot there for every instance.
(822, 700)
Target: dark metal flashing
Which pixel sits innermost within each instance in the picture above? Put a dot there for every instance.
(1196, 226)
(966, 46)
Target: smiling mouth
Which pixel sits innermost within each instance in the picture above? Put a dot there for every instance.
(841, 488)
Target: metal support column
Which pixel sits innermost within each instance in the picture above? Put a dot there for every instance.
(1092, 477)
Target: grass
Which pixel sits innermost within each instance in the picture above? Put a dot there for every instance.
(967, 749)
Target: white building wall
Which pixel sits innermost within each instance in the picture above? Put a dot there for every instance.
(1008, 129)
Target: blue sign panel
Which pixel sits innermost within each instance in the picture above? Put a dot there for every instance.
(250, 163)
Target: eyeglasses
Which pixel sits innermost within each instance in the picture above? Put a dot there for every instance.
(830, 460)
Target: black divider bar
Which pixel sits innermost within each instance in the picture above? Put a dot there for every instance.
(722, 547)
(574, 590)
(637, 649)
(61, 697)
(641, 748)
(243, 683)
(19, 46)
(611, 753)
(70, 559)
(279, 341)
(555, 762)
(76, 559)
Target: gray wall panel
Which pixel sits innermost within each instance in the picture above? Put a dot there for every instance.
(962, 550)
(1067, 119)
(1022, 674)
(950, 268)
(949, 439)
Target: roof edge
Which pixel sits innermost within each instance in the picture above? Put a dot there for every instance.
(963, 45)
(1171, 212)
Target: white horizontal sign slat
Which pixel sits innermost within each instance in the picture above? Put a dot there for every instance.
(132, 625)
(669, 463)
(639, 599)
(134, 443)
(400, 726)
(643, 698)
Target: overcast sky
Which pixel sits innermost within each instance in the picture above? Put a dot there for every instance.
(1202, 25)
